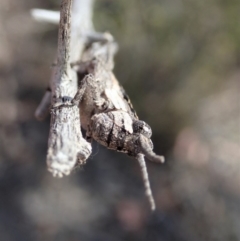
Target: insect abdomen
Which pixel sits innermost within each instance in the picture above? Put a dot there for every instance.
(111, 129)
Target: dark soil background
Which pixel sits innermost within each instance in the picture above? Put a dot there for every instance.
(179, 60)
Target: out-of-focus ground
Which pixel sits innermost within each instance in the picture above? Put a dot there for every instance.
(180, 63)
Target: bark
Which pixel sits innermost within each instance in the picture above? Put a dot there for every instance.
(66, 145)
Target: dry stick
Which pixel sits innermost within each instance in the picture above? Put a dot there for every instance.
(66, 144)
(43, 108)
(89, 37)
(82, 34)
(43, 15)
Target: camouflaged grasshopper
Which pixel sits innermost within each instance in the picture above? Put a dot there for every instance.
(106, 111)
(109, 117)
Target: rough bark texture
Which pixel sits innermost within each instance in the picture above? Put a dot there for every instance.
(66, 144)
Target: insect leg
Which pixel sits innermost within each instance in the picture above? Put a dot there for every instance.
(81, 89)
(89, 134)
(104, 105)
(148, 191)
(146, 149)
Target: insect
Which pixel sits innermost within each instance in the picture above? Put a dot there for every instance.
(107, 114)
(118, 131)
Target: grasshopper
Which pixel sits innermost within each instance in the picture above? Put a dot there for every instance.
(106, 111)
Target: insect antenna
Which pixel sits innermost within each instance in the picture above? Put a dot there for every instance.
(148, 191)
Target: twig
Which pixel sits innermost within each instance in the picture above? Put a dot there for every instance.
(43, 108)
(43, 15)
(66, 144)
(82, 33)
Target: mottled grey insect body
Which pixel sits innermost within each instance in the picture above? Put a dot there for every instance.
(111, 129)
(118, 131)
(109, 117)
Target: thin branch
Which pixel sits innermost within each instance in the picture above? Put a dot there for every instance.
(48, 16)
(64, 39)
(66, 145)
(43, 108)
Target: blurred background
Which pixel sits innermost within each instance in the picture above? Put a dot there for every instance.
(179, 61)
